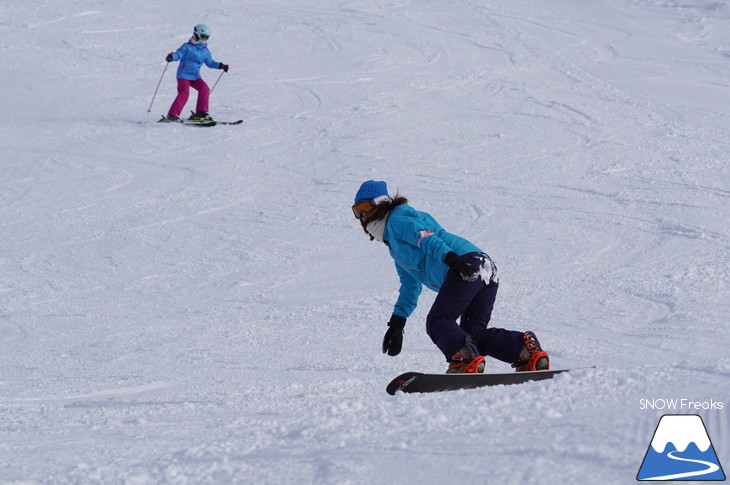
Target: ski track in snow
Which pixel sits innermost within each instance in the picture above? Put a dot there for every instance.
(184, 305)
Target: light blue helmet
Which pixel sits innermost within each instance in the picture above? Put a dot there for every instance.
(201, 33)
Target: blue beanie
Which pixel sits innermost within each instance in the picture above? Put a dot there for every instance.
(370, 190)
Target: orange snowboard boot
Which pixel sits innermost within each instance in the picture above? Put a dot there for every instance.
(465, 361)
(532, 357)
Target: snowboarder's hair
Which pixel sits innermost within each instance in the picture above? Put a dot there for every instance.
(380, 211)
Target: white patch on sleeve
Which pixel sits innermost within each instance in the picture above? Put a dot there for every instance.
(424, 235)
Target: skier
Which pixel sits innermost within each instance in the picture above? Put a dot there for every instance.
(463, 275)
(192, 55)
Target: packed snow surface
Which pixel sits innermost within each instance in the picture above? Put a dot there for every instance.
(198, 305)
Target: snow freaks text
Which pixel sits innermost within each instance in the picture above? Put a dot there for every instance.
(680, 404)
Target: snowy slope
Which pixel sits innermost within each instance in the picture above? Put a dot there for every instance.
(184, 305)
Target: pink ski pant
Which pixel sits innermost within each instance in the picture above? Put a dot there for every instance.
(183, 92)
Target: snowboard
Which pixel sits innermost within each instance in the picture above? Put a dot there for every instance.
(420, 382)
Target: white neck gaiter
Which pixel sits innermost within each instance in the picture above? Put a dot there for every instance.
(377, 228)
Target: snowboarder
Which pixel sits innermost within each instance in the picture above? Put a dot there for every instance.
(192, 55)
(463, 275)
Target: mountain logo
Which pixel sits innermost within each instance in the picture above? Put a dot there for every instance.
(681, 450)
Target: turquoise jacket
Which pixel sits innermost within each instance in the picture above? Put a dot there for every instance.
(192, 57)
(418, 245)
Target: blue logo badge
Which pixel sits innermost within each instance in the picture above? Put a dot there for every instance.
(681, 450)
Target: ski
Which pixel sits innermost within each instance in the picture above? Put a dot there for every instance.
(189, 122)
(237, 122)
(420, 382)
(198, 122)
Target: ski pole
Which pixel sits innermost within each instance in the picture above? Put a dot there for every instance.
(149, 110)
(216, 82)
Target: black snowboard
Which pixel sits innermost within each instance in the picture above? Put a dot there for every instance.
(419, 382)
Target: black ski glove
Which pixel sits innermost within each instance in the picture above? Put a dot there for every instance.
(393, 341)
(223, 66)
(466, 271)
(169, 57)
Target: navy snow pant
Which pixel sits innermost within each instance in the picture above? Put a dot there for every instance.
(473, 302)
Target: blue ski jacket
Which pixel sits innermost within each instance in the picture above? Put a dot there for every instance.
(192, 56)
(418, 245)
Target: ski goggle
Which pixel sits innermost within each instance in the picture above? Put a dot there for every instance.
(365, 207)
(202, 36)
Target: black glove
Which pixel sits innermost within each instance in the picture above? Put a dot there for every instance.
(393, 341)
(466, 271)
(169, 57)
(224, 67)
